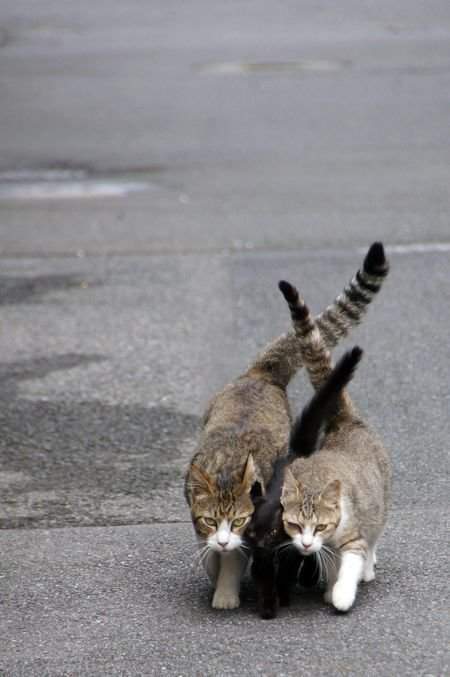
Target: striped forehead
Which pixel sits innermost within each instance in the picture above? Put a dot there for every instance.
(225, 503)
(308, 506)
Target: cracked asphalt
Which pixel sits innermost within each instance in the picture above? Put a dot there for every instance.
(268, 143)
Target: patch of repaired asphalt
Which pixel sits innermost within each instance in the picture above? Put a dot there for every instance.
(86, 463)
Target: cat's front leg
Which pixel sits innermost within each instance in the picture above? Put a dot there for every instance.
(350, 572)
(263, 573)
(231, 568)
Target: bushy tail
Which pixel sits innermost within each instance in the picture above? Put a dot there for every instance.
(323, 406)
(283, 358)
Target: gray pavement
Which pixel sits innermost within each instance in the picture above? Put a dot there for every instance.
(161, 167)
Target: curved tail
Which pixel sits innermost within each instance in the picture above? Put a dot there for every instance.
(283, 357)
(323, 406)
(349, 307)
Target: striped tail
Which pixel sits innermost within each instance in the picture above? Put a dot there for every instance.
(282, 358)
(349, 307)
(315, 354)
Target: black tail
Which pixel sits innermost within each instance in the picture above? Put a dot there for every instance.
(322, 407)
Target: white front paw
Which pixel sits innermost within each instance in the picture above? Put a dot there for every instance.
(343, 596)
(225, 599)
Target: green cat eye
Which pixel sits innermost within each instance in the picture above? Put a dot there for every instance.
(294, 525)
(239, 522)
(210, 522)
(320, 527)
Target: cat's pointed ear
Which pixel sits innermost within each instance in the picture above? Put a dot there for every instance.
(256, 491)
(332, 493)
(292, 488)
(201, 483)
(249, 475)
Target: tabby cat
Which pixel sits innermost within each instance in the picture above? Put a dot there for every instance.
(246, 428)
(335, 502)
(275, 567)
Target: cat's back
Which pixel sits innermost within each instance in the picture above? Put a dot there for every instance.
(355, 455)
(250, 415)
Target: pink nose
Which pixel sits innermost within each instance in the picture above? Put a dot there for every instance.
(307, 545)
(223, 543)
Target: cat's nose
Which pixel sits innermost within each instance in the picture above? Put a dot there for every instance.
(222, 541)
(307, 545)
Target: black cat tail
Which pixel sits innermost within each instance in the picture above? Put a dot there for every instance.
(324, 404)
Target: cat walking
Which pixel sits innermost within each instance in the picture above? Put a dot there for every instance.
(245, 429)
(335, 502)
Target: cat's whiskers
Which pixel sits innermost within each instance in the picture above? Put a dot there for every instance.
(284, 545)
(328, 559)
(201, 556)
(319, 563)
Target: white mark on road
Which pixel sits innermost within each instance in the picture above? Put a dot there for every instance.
(248, 68)
(415, 248)
(65, 184)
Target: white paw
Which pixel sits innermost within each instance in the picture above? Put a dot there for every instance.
(342, 596)
(225, 599)
(368, 575)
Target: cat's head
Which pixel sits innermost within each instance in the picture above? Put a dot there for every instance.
(310, 519)
(222, 507)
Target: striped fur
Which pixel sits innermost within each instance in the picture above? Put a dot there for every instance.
(246, 428)
(335, 501)
(282, 358)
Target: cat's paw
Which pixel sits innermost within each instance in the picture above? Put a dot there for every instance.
(342, 596)
(284, 598)
(225, 599)
(369, 575)
(268, 612)
(327, 596)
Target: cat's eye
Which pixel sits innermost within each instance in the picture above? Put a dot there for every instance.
(210, 522)
(294, 525)
(320, 527)
(239, 522)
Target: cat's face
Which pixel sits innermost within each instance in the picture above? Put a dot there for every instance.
(221, 510)
(310, 520)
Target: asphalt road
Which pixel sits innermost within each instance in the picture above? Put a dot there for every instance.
(162, 166)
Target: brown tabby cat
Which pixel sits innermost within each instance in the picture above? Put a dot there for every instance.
(246, 428)
(335, 502)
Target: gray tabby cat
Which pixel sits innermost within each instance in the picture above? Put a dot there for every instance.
(246, 428)
(335, 502)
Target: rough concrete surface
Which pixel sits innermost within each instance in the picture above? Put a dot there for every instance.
(162, 166)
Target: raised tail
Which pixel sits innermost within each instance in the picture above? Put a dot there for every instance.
(315, 354)
(323, 406)
(305, 436)
(316, 357)
(282, 358)
(348, 308)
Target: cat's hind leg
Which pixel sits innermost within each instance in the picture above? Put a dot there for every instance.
(369, 565)
(231, 569)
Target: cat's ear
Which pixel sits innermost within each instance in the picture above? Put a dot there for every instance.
(256, 491)
(332, 493)
(201, 483)
(292, 488)
(249, 475)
